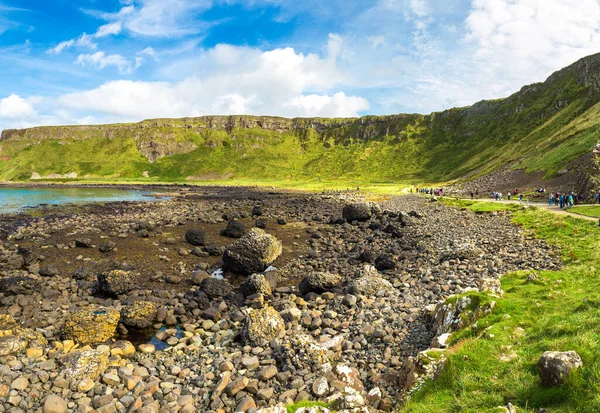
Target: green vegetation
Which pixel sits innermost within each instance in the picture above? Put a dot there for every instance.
(543, 127)
(590, 211)
(558, 310)
(293, 407)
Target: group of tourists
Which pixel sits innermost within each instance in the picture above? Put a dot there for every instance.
(430, 191)
(565, 200)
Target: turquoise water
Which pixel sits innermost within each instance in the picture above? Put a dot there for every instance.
(13, 200)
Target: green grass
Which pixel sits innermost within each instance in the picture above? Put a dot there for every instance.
(590, 211)
(541, 128)
(558, 311)
(293, 407)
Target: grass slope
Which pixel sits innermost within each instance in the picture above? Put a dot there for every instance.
(542, 127)
(558, 311)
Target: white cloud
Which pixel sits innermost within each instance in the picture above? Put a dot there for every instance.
(420, 7)
(14, 107)
(100, 60)
(84, 41)
(237, 80)
(519, 42)
(109, 29)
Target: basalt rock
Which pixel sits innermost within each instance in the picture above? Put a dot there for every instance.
(253, 253)
(91, 325)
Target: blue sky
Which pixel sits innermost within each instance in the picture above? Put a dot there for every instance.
(99, 61)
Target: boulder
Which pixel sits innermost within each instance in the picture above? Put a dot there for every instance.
(257, 211)
(461, 252)
(12, 345)
(83, 243)
(91, 325)
(140, 314)
(87, 364)
(261, 223)
(252, 253)
(319, 282)
(215, 288)
(107, 246)
(19, 285)
(369, 284)
(554, 367)
(49, 271)
(302, 352)
(357, 212)
(116, 282)
(195, 237)
(234, 229)
(54, 404)
(261, 326)
(255, 284)
(385, 262)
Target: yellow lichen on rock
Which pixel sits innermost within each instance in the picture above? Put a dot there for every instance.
(91, 325)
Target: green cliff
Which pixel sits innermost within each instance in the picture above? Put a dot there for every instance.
(543, 127)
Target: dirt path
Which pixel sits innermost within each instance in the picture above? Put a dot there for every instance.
(552, 208)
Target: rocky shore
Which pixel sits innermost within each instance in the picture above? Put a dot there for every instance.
(239, 300)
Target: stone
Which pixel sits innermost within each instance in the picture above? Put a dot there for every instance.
(19, 285)
(253, 253)
(319, 282)
(357, 212)
(245, 404)
(140, 314)
(261, 326)
(320, 387)
(54, 404)
(234, 229)
(20, 383)
(91, 325)
(368, 283)
(83, 243)
(116, 282)
(12, 345)
(554, 367)
(107, 246)
(215, 288)
(195, 237)
(255, 284)
(79, 365)
(267, 373)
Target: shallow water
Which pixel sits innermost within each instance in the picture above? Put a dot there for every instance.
(14, 200)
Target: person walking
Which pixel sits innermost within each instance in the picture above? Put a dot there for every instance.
(551, 200)
(521, 199)
(562, 201)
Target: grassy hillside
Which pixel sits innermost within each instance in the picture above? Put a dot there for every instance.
(541, 128)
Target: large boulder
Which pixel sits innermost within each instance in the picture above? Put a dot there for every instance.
(252, 253)
(256, 284)
(357, 212)
(140, 314)
(368, 283)
(555, 367)
(234, 229)
(261, 326)
(87, 364)
(215, 288)
(463, 251)
(116, 282)
(91, 325)
(19, 285)
(195, 237)
(319, 282)
(19, 335)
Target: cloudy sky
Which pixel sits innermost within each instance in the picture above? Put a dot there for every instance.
(98, 61)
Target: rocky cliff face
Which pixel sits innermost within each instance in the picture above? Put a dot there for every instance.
(540, 128)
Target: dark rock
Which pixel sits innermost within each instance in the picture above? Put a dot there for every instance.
(234, 229)
(48, 271)
(367, 256)
(116, 282)
(357, 212)
(19, 285)
(257, 211)
(281, 221)
(83, 242)
(215, 288)
(195, 237)
(385, 262)
(214, 250)
(253, 253)
(107, 246)
(261, 223)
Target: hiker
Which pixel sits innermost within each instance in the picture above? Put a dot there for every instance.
(520, 198)
(472, 194)
(597, 198)
(561, 200)
(551, 200)
(570, 201)
(508, 196)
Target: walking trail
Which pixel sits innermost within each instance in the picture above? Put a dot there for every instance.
(552, 208)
